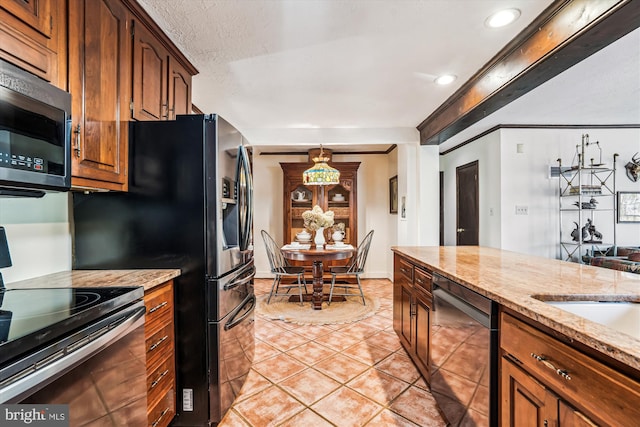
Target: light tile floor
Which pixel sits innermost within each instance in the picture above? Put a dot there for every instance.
(355, 374)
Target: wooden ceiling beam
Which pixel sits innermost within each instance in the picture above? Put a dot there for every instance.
(567, 32)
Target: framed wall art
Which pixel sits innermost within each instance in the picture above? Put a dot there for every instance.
(628, 206)
(393, 194)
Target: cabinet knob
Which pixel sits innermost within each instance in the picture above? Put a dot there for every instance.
(460, 230)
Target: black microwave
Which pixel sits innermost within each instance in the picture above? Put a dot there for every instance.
(35, 134)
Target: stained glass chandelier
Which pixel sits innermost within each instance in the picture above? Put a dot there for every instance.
(321, 173)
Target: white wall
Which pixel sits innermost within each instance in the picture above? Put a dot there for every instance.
(486, 151)
(373, 206)
(38, 234)
(428, 195)
(509, 178)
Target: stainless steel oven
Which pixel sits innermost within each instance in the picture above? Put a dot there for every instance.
(83, 348)
(464, 354)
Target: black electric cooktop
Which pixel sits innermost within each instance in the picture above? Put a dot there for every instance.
(30, 318)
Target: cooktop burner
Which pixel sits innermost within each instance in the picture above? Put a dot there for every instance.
(32, 317)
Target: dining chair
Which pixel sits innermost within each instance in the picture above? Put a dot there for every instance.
(281, 268)
(354, 268)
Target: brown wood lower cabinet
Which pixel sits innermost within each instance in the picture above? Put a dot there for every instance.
(412, 305)
(161, 370)
(545, 382)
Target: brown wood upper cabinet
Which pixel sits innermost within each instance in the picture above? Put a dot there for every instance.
(121, 67)
(161, 86)
(33, 37)
(99, 82)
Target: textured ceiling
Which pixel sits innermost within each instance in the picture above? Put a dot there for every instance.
(337, 72)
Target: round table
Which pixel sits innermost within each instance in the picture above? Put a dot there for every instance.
(317, 256)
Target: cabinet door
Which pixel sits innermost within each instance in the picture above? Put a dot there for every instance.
(150, 67)
(33, 37)
(100, 82)
(402, 276)
(406, 319)
(36, 14)
(524, 401)
(423, 304)
(571, 417)
(179, 89)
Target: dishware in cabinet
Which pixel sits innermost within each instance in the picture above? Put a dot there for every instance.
(340, 198)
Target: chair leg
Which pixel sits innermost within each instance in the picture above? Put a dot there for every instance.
(300, 290)
(360, 287)
(273, 286)
(333, 282)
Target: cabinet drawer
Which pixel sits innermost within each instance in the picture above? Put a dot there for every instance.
(160, 414)
(159, 305)
(161, 379)
(590, 385)
(422, 279)
(159, 344)
(404, 270)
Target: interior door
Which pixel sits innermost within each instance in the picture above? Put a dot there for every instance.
(467, 212)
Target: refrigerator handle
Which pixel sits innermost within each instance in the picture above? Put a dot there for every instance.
(240, 279)
(245, 198)
(233, 322)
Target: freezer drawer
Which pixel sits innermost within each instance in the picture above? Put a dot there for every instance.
(230, 356)
(226, 293)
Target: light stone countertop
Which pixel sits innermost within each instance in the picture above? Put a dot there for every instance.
(513, 279)
(98, 278)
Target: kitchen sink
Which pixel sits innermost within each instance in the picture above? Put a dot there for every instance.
(622, 316)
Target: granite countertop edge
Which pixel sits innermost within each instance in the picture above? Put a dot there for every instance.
(147, 278)
(538, 280)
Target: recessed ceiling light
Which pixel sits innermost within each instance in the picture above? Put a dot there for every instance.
(445, 79)
(502, 18)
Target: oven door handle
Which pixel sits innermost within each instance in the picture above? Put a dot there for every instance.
(44, 372)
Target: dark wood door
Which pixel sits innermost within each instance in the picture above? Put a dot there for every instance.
(467, 213)
(100, 86)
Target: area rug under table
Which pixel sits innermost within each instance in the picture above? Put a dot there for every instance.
(347, 311)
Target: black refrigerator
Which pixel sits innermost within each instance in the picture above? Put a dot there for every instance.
(189, 206)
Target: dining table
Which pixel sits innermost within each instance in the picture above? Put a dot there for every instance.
(317, 255)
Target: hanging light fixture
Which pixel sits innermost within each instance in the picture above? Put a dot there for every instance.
(321, 173)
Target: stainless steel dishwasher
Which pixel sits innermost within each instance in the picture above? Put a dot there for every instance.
(464, 354)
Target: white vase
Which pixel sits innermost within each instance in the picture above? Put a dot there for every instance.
(319, 239)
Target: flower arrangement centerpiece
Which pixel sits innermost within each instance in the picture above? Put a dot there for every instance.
(317, 220)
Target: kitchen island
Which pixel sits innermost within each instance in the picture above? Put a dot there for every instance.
(551, 363)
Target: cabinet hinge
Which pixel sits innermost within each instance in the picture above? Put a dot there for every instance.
(131, 107)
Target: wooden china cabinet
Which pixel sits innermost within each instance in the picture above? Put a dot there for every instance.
(340, 198)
